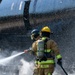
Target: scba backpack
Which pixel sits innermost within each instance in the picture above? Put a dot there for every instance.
(41, 50)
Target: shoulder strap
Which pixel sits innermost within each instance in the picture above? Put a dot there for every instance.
(45, 43)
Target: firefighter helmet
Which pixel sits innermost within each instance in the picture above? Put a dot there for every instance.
(34, 33)
(46, 29)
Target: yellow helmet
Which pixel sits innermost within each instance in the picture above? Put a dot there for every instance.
(46, 29)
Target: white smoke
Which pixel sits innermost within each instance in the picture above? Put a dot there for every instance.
(26, 68)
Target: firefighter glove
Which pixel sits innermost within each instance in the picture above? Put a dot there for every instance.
(59, 62)
(25, 51)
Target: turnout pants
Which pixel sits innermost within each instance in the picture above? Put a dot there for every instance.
(44, 69)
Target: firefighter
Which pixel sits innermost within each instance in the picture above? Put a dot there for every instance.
(46, 49)
(35, 35)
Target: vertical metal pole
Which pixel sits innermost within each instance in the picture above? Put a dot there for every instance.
(26, 15)
(0, 1)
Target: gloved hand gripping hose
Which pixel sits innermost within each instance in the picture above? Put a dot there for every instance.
(59, 62)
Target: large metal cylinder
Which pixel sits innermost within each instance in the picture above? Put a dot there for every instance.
(24, 15)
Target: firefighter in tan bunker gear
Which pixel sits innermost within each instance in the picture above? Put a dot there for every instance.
(45, 64)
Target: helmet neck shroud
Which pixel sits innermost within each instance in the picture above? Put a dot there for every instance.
(45, 34)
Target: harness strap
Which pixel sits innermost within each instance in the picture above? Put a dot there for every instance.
(46, 62)
(47, 50)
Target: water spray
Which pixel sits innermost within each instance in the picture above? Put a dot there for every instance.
(5, 60)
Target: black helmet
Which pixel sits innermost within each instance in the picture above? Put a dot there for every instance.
(34, 34)
(35, 31)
